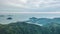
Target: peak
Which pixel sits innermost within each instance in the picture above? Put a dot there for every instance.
(33, 18)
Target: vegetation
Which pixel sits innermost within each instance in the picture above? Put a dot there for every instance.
(26, 28)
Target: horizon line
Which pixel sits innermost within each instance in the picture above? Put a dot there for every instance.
(31, 12)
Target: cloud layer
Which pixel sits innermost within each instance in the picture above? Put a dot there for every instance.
(39, 5)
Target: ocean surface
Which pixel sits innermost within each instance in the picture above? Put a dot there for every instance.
(9, 18)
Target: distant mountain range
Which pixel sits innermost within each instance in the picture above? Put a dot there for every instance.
(43, 21)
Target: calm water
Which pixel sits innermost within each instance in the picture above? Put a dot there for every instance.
(22, 17)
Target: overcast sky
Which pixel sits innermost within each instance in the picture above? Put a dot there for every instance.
(29, 5)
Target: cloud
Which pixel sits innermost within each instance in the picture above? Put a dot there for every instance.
(33, 5)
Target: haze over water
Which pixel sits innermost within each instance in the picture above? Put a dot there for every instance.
(24, 16)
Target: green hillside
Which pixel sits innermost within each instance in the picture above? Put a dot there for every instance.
(26, 28)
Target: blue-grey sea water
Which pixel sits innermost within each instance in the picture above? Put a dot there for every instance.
(9, 18)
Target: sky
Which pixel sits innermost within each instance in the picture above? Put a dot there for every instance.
(29, 5)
